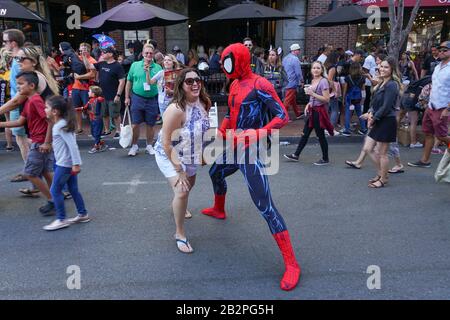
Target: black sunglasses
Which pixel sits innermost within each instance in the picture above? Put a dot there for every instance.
(21, 59)
(443, 50)
(190, 81)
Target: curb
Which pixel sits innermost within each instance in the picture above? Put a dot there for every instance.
(86, 142)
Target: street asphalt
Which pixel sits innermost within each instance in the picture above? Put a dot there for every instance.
(339, 228)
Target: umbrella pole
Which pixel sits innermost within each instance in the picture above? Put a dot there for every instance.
(137, 36)
(348, 36)
(248, 28)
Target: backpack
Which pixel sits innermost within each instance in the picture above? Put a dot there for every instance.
(355, 93)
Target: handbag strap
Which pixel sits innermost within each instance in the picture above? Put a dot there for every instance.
(126, 115)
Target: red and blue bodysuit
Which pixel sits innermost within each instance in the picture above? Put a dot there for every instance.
(254, 107)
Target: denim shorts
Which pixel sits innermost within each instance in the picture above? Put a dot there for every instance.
(37, 162)
(20, 131)
(79, 97)
(144, 110)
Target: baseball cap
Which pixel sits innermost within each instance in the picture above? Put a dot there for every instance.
(349, 52)
(446, 45)
(176, 48)
(295, 46)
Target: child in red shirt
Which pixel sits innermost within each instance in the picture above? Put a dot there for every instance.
(40, 158)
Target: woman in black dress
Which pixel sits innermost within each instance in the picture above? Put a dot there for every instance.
(382, 121)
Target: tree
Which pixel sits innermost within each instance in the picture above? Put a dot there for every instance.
(398, 34)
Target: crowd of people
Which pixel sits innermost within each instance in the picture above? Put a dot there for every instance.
(46, 98)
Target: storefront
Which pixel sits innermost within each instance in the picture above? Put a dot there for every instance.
(55, 12)
(432, 25)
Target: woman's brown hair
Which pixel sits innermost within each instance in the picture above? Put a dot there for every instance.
(179, 96)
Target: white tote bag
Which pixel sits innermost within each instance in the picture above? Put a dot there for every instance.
(126, 131)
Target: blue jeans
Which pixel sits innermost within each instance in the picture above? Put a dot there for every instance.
(333, 109)
(349, 113)
(61, 177)
(96, 129)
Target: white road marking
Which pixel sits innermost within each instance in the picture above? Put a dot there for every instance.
(134, 183)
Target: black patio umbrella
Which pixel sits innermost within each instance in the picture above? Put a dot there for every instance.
(11, 10)
(352, 14)
(133, 15)
(344, 15)
(249, 11)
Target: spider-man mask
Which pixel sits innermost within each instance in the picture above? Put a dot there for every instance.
(236, 61)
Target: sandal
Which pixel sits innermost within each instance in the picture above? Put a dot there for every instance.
(19, 178)
(188, 214)
(377, 184)
(375, 179)
(29, 192)
(351, 164)
(184, 244)
(396, 170)
(67, 195)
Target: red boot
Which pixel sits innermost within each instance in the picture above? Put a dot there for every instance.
(292, 273)
(218, 211)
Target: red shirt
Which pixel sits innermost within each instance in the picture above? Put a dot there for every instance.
(34, 112)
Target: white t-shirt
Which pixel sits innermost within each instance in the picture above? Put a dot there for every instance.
(322, 58)
(371, 65)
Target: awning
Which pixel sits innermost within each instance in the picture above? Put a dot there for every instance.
(408, 3)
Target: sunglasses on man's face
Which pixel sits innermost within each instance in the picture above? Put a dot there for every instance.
(190, 81)
(21, 59)
(443, 50)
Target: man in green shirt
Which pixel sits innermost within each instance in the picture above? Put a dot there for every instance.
(143, 97)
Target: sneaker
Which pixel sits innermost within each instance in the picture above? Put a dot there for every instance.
(362, 133)
(300, 116)
(291, 157)
(105, 134)
(133, 150)
(346, 133)
(57, 224)
(336, 133)
(48, 209)
(9, 149)
(149, 149)
(103, 147)
(94, 149)
(437, 151)
(419, 164)
(158, 122)
(79, 219)
(116, 136)
(321, 162)
(416, 145)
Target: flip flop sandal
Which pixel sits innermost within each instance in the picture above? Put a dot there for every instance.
(29, 192)
(188, 215)
(352, 165)
(184, 243)
(396, 171)
(374, 185)
(373, 180)
(19, 178)
(67, 195)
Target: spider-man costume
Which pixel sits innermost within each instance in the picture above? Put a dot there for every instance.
(251, 101)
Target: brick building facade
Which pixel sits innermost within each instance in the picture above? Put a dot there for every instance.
(341, 36)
